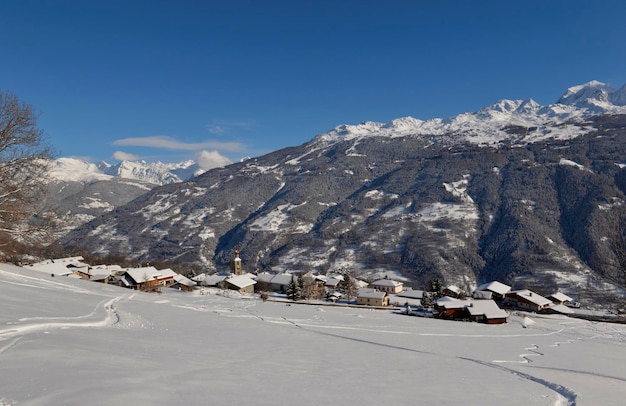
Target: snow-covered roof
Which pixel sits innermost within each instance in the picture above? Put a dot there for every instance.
(370, 293)
(561, 297)
(282, 279)
(99, 276)
(496, 287)
(487, 308)
(212, 280)
(411, 293)
(149, 273)
(332, 282)
(454, 288)
(111, 269)
(240, 281)
(559, 308)
(264, 277)
(482, 294)
(184, 280)
(452, 303)
(532, 297)
(386, 282)
(60, 266)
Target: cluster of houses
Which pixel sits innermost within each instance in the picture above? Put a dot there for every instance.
(146, 278)
(486, 304)
(489, 300)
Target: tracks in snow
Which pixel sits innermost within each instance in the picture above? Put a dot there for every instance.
(17, 331)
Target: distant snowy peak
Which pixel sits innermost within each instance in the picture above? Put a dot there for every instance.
(76, 170)
(594, 94)
(493, 124)
(158, 173)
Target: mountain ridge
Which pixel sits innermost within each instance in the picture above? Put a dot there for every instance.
(503, 199)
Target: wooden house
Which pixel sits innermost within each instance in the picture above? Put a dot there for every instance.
(450, 308)
(486, 311)
(497, 289)
(147, 278)
(452, 291)
(560, 298)
(526, 300)
(280, 282)
(481, 311)
(183, 283)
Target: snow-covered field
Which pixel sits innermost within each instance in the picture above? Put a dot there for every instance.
(73, 342)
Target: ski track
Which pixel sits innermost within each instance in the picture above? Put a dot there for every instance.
(16, 332)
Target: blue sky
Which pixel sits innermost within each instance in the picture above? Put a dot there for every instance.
(165, 80)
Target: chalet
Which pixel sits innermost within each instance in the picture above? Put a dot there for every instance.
(411, 293)
(372, 297)
(450, 308)
(332, 283)
(486, 311)
(147, 278)
(105, 273)
(101, 276)
(452, 291)
(209, 280)
(497, 289)
(560, 298)
(481, 311)
(183, 283)
(387, 285)
(526, 300)
(557, 309)
(241, 283)
(280, 282)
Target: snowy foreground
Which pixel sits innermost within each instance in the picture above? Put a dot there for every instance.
(73, 342)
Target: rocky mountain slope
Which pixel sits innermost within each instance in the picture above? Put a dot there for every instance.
(526, 194)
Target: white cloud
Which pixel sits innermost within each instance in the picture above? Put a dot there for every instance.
(125, 156)
(166, 142)
(211, 159)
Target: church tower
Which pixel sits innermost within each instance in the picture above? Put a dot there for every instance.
(235, 264)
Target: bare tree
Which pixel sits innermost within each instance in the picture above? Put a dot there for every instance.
(24, 164)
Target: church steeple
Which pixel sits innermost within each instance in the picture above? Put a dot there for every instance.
(235, 264)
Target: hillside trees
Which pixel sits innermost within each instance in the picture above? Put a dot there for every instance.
(24, 164)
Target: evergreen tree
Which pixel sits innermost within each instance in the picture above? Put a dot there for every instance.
(293, 290)
(436, 288)
(300, 283)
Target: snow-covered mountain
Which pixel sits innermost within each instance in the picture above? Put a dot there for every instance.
(492, 125)
(156, 173)
(518, 192)
(80, 191)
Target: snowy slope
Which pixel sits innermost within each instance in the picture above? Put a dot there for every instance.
(73, 342)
